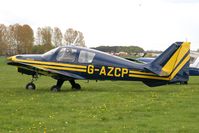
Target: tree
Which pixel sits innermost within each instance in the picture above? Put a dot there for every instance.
(57, 37)
(46, 38)
(21, 39)
(3, 39)
(116, 49)
(73, 36)
(14, 39)
(27, 39)
(38, 37)
(38, 49)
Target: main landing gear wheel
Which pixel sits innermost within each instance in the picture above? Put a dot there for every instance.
(55, 88)
(30, 86)
(75, 86)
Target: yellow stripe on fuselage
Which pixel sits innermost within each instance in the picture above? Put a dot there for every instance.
(61, 68)
(47, 63)
(161, 78)
(139, 72)
(148, 77)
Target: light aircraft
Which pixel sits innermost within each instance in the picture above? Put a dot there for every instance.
(70, 63)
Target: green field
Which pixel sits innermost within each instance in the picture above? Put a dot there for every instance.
(102, 107)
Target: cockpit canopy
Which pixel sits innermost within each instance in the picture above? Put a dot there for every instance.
(69, 54)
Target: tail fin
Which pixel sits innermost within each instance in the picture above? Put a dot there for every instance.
(173, 60)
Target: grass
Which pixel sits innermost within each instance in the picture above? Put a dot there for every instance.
(102, 107)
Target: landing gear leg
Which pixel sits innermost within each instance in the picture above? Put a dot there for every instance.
(75, 86)
(57, 87)
(31, 85)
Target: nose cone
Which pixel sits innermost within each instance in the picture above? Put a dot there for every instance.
(10, 58)
(23, 58)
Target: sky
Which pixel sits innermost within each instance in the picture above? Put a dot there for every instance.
(150, 24)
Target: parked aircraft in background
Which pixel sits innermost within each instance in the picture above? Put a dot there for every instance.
(194, 64)
(70, 63)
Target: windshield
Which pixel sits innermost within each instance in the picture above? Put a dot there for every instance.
(48, 54)
(66, 55)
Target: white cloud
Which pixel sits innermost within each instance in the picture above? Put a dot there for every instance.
(153, 24)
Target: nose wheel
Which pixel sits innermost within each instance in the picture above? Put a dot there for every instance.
(31, 85)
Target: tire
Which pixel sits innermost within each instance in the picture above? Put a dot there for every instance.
(55, 88)
(30, 86)
(76, 87)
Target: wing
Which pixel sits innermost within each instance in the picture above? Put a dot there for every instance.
(32, 69)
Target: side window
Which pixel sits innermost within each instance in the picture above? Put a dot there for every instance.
(85, 57)
(66, 55)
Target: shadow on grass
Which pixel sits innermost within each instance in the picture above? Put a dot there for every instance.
(131, 91)
(92, 90)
